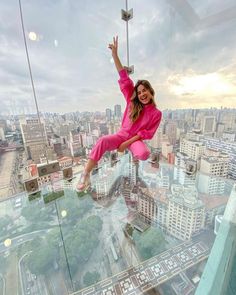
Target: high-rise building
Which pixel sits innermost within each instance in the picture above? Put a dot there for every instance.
(208, 125)
(186, 213)
(35, 140)
(211, 185)
(193, 148)
(180, 214)
(228, 118)
(108, 114)
(103, 129)
(215, 165)
(220, 129)
(157, 139)
(76, 143)
(171, 131)
(117, 111)
(224, 147)
(153, 205)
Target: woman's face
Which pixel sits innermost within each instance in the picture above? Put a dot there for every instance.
(144, 95)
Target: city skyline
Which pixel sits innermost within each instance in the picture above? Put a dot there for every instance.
(103, 112)
(188, 64)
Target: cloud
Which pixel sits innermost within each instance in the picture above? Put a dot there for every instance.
(75, 73)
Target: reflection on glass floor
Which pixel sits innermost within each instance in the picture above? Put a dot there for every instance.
(139, 228)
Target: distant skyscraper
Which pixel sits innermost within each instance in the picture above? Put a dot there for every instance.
(108, 114)
(103, 129)
(76, 143)
(228, 118)
(171, 131)
(157, 139)
(117, 111)
(208, 124)
(220, 129)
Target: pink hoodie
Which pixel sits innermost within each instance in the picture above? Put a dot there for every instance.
(149, 119)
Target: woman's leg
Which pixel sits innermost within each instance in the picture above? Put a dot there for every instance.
(139, 150)
(89, 166)
(105, 143)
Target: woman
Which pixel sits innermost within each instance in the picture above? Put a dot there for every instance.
(140, 121)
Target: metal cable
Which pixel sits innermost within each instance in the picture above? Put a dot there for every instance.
(64, 247)
(127, 34)
(32, 82)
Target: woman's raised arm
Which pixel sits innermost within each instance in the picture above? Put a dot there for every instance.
(114, 52)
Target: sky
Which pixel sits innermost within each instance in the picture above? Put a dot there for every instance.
(186, 49)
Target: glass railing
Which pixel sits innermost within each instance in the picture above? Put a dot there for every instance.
(220, 272)
(140, 227)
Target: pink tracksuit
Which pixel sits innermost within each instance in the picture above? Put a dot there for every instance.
(145, 126)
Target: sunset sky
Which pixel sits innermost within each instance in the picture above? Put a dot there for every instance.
(186, 49)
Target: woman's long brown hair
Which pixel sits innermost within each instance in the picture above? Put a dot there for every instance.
(136, 106)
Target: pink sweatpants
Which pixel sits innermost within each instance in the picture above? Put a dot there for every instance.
(112, 142)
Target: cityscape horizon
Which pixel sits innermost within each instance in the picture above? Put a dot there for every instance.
(165, 225)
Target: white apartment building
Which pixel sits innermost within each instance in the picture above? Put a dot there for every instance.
(152, 205)
(215, 165)
(186, 214)
(75, 143)
(181, 214)
(224, 147)
(211, 185)
(145, 205)
(163, 181)
(192, 148)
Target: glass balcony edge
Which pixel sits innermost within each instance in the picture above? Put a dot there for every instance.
(218, 270)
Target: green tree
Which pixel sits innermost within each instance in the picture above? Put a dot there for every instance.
(84, 238)
(37, 214)
(74, 208)
(41, 260)
(91, 278)
(54, 237)
(150, 243)
(94, 223)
